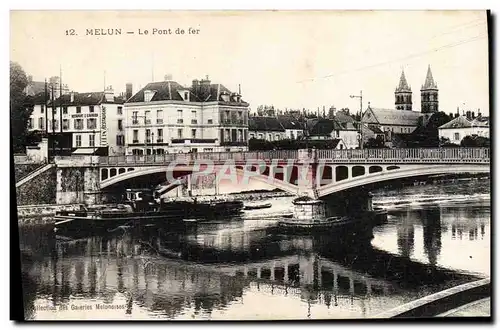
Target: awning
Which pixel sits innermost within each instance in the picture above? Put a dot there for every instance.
(84, 151)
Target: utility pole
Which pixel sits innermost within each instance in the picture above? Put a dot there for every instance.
(46, 106)
(360, 123)
(60, 110)
(52, 124)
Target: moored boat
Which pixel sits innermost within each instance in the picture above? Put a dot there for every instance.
(140, 207)
(257, 206)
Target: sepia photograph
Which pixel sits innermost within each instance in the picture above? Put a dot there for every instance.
(251, 165)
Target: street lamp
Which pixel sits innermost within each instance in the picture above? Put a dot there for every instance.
(360, 97)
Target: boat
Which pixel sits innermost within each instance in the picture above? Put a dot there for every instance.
(257, 206)
(327, 223)
(140, 206)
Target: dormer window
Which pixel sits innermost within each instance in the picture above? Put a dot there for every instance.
(186, 96)
(148, 95)
(225, 97)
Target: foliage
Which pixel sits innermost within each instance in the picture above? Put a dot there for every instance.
(374, 143)
(445, 143)
(475, 141)
(426, 135)
(19, 112)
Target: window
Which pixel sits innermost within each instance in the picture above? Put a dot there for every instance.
(148, 117)
(159, 116)
(135, 121)
(78, 109)
(210, 121)
(91, 108)
(186, 96)
(30, 123)
(92, 140)
(193, 117)
(208, 149)
(119, 110)
(120, 140)
(457, 136)
(148, 96)
(193, 133)
(135, 137)
(120, 124)
(91, 123)
(148, 135)
(55, 124)
(42, 109)
(160, 135)
(226, 118)
(65, 110)
(79, 123)
(179, 117)
(179, 133)
(78, 140)
(65, 123)
(160, 151)
(40, 123)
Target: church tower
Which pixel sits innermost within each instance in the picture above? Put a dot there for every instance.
(429, 94)
(403, 94)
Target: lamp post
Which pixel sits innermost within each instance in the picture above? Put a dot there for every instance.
(360, 97)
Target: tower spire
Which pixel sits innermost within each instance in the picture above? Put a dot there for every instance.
(403, 84)
(429, 80)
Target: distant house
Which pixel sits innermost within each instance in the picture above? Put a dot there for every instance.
(372, 132)
(265, 128)
(460, 127)
(325, 129)
(294, 127)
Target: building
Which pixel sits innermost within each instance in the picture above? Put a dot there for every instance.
(455, 130)
(294, 126)
(266, 128)
(403, 94)
(81, 123)
(166, 117)
(390, 120)
(429, 94)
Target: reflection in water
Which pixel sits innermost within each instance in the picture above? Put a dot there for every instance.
(243, 269)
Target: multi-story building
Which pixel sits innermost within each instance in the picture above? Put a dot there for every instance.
(294, 126)
(166, 117)
(84, 123)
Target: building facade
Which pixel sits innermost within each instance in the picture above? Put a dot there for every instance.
(84, 123)
(266, 128)
(166, 117)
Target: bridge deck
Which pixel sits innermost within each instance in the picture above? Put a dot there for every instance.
(407, 156)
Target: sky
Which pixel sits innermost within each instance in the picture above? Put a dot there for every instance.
(288, 59)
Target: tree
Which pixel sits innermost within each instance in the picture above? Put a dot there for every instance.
(19, 111)
(374, 143)
(475, 142)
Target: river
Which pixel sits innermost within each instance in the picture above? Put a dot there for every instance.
(436, 236)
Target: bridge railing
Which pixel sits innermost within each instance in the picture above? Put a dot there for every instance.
(409, 155)
(202, 156)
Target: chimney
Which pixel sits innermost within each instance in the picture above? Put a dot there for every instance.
(72, 97)
(479, 112)
(109, 94)
(473, 115)
(168, 77)
(128, 91)
(205, 88)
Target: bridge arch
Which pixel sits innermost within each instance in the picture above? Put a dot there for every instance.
(405, 171)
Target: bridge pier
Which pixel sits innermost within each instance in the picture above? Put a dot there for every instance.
(77, 185)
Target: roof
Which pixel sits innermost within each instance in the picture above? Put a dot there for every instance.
(459, 122)
(342, 118)
(403, 84)
(92, 98)
(391, 117)
(375, 129)
(481, 121)
(335, 142)
(39, 98)
(263, 123)
(289, 122)
(429, 81)
(322, 126)
(171, 90)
